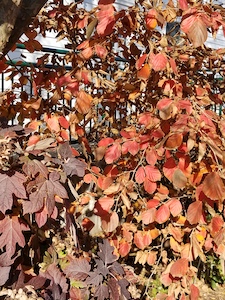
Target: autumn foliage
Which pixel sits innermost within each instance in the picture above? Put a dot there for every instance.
(138, 201)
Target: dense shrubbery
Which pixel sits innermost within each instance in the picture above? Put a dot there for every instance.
(136, 211)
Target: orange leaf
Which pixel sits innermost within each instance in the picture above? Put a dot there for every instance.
(53, 124)
(124, 248)
(113, 153)
(83, 102)
(162, 214)
(213, 187)
(174, 141)
(179, 268)
(33, 140)
(144, 72)
(194, 212)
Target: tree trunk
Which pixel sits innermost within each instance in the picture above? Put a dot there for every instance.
(15, 17)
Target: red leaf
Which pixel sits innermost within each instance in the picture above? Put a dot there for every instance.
(101, 51)
(151, 156)
(105, 142)
(109, 224)
(63, 122)
(164, 103)
(179, 268)
(104, 182)
(103, 205)
(162, 214)
(158, 61)
(183, 4)
(140, 175)
(198, 33)
(169, 168)
(83, 102)
(216, 224)
(11, 234)
(194, 212)
(130, 146)
(142, 239)
(173, 65)
(149, 186)
(4, 271)
(10, 185)
(140, 61)
(196, 30)
(175, 207)
(152, 173)
(188, 21)
(151, 258)
(213, 187)
(113, 153)
(194, 292)
(148, 216)
(106, 20)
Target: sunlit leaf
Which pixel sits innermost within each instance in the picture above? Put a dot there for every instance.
(179, 268)
(194, 212)
(162, 214)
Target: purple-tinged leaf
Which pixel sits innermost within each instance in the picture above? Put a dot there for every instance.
(114, 289)
(65, 151)
(78, 269)
(46, 191)
(106, 252)
(102, 292)
(123, 283)
(33, 166)
(54, 274)
(10, 185)
(116, 267)
(4, 271)
(101, 268)
(94, 279)
(74, 166)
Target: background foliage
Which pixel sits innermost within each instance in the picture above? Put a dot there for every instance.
(136, 209)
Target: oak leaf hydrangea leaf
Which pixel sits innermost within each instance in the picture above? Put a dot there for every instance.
(102, 292)
(32, 167)
(106, 253)
(74, 166)
(45, 194)
(54, 274)
(10, 185)
(78, 269)
(11, 234)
